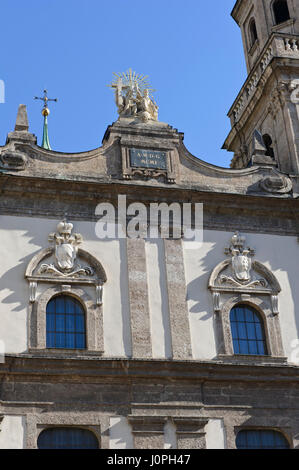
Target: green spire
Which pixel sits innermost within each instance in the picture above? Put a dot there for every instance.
(46, 142)
(45, 113)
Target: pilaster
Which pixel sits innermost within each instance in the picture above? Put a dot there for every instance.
(148, 431)
(176, 283)
(138, 295)
(190, 432)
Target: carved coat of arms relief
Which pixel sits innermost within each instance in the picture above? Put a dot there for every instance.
(241, 265)
(66, 249)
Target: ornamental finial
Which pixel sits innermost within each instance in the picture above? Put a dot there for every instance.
(45, 113)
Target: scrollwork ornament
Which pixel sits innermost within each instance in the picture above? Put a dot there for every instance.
(241, 258)
(66, 249)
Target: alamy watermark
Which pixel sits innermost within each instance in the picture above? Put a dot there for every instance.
(153, 221)
(2, 91)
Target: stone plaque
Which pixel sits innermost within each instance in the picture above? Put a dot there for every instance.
(148, 159)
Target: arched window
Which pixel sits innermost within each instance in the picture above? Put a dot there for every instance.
(67, 438)
(261, 439)
(65, 323)
(269, 145)
(247, 331)
(252, 32)
(281, 11)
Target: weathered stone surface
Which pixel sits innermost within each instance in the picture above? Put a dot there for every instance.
(176, 284)
(22, 119)
(257, 196)
(138, 292)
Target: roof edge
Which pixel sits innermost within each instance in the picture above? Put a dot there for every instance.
(235, 10)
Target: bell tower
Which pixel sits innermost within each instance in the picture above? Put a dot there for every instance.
(265, 114)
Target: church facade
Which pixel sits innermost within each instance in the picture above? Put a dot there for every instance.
(158, 342)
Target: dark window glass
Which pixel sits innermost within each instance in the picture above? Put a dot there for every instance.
(65, 323)
(281, 11)
(261, 439)
(247, 331)
(67, 438)
(252, 32)
(269, 146)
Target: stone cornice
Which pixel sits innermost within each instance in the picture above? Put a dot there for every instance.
(124, 127)
(12, 183)
(25, 367)
(34, 197)
(275, 48)
(236, 11)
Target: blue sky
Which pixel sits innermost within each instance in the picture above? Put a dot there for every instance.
(191, 50)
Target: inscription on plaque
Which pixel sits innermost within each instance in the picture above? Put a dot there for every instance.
(148, 159)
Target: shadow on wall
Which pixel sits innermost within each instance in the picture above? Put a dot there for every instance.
(16, 239)
(120, 433)
(123, 279)
(197, 290)
(19, 236)
(281, 255)
(19, 297)
(276, 252)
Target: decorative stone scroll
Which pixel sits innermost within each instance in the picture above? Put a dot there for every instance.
(13, 160)
(242, 280)
(65, 263)
(277, 184)
(240, 274)
(66, 250)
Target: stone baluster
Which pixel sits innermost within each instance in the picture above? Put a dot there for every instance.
(288, 45)
(138, 295)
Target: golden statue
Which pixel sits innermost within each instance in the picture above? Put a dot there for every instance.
(133, 97)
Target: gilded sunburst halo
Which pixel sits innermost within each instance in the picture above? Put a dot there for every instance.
(131, 80)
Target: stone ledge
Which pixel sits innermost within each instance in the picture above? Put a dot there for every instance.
(53, 353)
(244, 359)
(66, 369)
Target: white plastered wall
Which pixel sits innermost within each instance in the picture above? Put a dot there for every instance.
(215, 434)
(22, 237)
(12, 434)
(280, 254)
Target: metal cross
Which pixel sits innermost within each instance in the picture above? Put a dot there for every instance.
(45, 98)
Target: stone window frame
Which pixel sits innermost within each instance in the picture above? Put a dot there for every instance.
(262, 298)
(93, 321)
(36, 424)
(241, 422)
(251, 41)
(270, 323)
(69, 285)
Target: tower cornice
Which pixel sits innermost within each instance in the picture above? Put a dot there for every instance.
(237, 10)
(281, 51)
